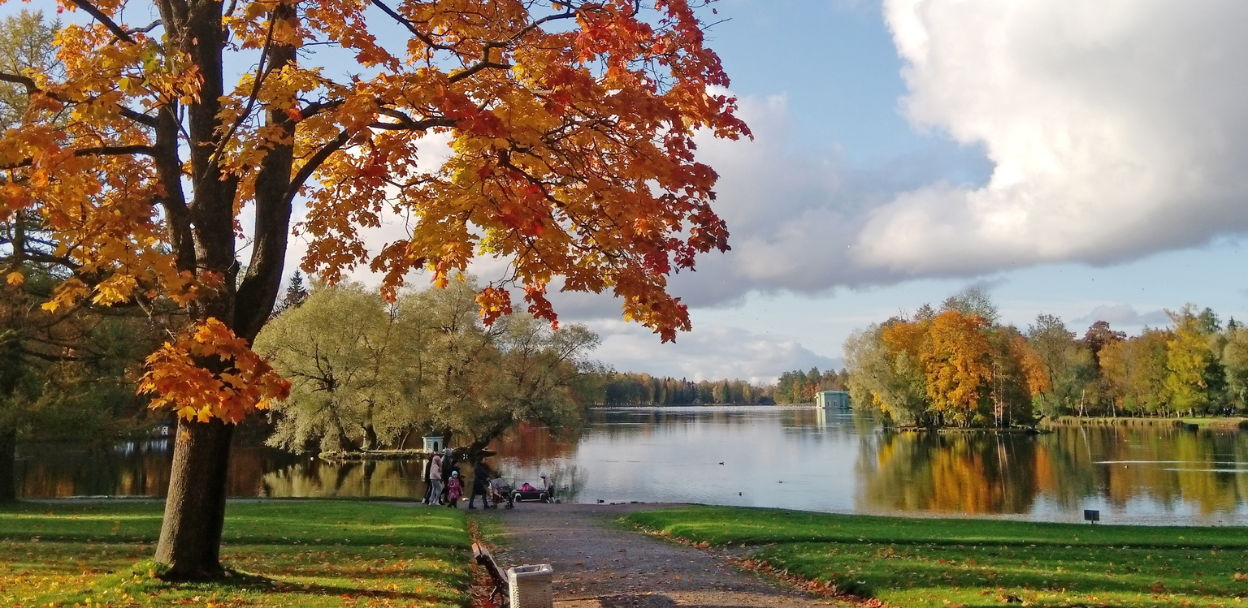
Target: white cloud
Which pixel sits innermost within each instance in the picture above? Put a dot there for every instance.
(1125, 316)
(795, 214)
(1116, 128)
(712, 352)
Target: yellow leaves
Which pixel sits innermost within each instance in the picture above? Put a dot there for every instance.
(956, 359)
(15, 279)
(209, 372)
(114, 290)
(67, 294)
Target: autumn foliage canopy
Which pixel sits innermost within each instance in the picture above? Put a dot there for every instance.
(176, 133)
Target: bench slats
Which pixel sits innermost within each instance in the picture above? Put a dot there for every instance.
(483, 557)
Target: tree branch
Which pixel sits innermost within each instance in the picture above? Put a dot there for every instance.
(99, 16)
(411, 27)
(315, 162)
(32, 88)
(485, 63)
(97, 151)
(407, 123)
(477, 67)
(151, 26)
(22, 80)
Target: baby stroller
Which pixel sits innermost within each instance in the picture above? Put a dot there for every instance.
(500, 493)
(527, 492)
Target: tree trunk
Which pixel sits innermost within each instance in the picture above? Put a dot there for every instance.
(8, 465)
(370, 433)
(190, 535)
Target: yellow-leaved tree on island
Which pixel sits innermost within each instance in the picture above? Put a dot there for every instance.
(571, 129)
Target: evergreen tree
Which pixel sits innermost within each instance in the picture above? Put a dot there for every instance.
(296, 293)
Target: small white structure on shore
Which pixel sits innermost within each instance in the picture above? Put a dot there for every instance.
(832, 399)
(433, 443)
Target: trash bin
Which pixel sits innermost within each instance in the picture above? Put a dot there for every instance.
(530, 586)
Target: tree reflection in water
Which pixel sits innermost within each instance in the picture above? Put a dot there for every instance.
(797, 458)
(1123, 468)
(973, 473)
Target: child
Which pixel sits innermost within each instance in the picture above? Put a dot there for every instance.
(454, 489)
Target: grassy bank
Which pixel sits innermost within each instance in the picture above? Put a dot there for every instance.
(302, 553)
(978, 563)
(1216, 423)
(1230, 423)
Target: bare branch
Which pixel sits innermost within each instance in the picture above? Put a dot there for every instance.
(317, 107)
(262, 72)
(477, 67)
(485, 63)
(151, 26)
(411, 27)
(139, 117)
(99, 16)
(407, 123)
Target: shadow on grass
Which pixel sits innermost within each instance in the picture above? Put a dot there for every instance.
(241, 581)
(144, 580)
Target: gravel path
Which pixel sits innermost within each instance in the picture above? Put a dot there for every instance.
(599, 563)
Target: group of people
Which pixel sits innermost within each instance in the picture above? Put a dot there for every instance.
(445, 486)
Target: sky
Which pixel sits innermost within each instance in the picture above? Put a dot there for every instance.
(1072, 158)
(1083, 159)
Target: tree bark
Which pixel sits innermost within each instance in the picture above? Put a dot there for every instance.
(190, 535)
(8, 465)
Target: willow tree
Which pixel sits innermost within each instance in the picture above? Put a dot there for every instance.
(571, 129)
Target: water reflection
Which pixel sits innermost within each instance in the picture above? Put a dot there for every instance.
(967, 473)
(1131, 473)
(800, 458)
(314, 477)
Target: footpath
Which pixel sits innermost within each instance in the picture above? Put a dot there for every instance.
(599, 563)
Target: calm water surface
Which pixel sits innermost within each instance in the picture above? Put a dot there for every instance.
(790, 457)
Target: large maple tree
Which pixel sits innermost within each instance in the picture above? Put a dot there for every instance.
(181, 132)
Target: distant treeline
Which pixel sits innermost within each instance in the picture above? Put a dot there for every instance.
(633, 389)
(957, 366)
(800, 387)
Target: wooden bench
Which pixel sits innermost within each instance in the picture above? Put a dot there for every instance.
(483, 557)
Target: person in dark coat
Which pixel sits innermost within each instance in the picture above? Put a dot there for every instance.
(428, 486)
(480, 484)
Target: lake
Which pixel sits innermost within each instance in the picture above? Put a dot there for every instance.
(788, 457)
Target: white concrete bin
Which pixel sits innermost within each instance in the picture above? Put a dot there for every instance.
(530, 586)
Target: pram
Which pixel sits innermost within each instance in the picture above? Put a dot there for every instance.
(527, 492)
(500, 493)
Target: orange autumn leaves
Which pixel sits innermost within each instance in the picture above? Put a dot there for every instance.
(569, 156)
(209, 372)
(963, 364)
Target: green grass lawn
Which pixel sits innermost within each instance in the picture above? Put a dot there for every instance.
(301, 553)
(979, 563)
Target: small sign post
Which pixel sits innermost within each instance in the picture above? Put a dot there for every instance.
(1091, 515)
